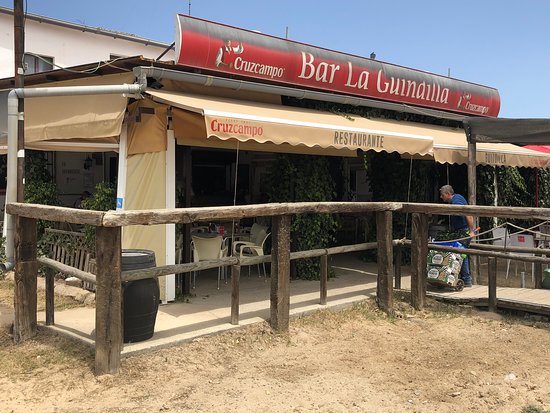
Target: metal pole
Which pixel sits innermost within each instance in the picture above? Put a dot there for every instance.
(472, 189)
(19, 51)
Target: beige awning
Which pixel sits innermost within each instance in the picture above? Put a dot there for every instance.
(78, 118)
(451, 146)
(266, 126)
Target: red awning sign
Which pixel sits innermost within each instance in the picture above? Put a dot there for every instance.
(216, 47)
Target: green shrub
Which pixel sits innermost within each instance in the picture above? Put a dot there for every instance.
(103, 199)
(40, 187)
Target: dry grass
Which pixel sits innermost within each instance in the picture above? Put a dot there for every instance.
(406, 361)
(61, 302)
(47, 351)
(6, 292)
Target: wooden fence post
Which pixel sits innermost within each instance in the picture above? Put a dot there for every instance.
(280, 273)
(26, 271)
(492, 281)
(419, 252)
(397, 266)
(384, 237)
(108, 313)
(538, 274)
(50, 296)
(323, 279)
(475, 265)
(235, 278)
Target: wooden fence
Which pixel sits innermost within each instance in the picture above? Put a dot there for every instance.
(109, 277)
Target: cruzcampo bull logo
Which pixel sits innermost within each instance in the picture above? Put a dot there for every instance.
(227, 53)
(230, 56)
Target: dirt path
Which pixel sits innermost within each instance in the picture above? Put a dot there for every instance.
(358, 360)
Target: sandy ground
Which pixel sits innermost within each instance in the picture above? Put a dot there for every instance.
(442, 359)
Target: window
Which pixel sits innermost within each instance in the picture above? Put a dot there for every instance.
(36, 63)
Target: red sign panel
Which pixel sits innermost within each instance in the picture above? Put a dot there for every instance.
(207, 45)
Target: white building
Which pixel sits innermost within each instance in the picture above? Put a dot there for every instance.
(53, 44)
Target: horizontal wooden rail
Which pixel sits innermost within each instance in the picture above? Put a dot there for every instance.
(526, 250)
(134, 275)
(352, 248)
(141, 274)
(477, 210)
(67, 269)
(189, 215)
(55, 213)
(63, 232)
(297, 255)
(471, 251)
(245, 261)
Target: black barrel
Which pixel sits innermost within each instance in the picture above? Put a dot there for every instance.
(141, 298)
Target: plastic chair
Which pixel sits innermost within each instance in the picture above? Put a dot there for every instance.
(208, 249)
(252, 234)
(522, 240)
(225, 253)
(251, 249)
(199, 229)
(503, 238)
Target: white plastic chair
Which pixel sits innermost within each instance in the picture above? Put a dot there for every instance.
(252, 234)
(522, 240)
(207, 249)
(253, 248)
(199, 229)
(503, 238)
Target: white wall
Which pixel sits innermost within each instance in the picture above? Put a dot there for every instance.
(68, 47)
(71, 177)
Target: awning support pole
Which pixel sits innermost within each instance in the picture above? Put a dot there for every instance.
(122, 168)
(472, 196)
(170, 291)
(471, 173)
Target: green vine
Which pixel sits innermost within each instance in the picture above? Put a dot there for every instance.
(514, 187)
(544, 187)
(389, 176)
(40, 187)
(297, 178)
(103, 199)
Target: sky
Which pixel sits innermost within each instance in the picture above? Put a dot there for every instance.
(499, 43)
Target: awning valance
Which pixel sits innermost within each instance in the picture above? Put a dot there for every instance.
(450, 146)
(306, 131)
(68, 145)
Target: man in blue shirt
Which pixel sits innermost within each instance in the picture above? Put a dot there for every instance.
(464, 225)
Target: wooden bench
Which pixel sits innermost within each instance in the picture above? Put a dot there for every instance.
(69, 248)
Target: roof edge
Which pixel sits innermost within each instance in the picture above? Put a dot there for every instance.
(89, 29)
